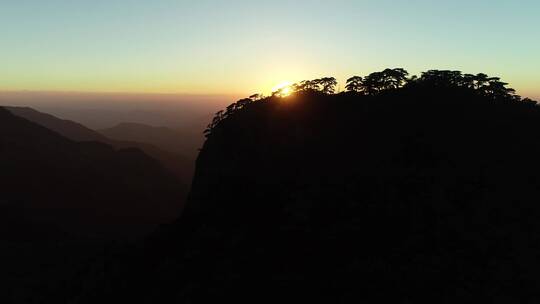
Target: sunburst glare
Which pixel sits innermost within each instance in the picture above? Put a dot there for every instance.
(283, 89)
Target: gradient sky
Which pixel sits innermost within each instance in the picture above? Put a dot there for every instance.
(242, 47)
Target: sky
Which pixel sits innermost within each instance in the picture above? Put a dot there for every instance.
(243, 47)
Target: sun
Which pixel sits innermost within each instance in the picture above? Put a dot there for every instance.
(283, 89)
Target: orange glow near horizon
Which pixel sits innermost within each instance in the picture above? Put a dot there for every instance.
(283, 89)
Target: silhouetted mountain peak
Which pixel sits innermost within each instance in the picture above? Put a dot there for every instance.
(378, 194)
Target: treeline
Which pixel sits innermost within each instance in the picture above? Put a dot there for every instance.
(379, 82)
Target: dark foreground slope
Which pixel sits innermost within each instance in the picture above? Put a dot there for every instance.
(416, 193)
(79, 187)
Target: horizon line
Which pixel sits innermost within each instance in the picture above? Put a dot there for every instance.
(118, 93)
(138, 93)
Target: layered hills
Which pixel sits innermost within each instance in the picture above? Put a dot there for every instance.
(82, 186)
(178, 161)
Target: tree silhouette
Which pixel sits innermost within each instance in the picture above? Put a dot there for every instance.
(394, 78)
(481, 80)
(468, 81)
(385, 80)
(298, 87)
(306, 85)
(444, 78)
(256, 97)
(375, 83)
(282, 92)
(497, 88)
(243, 102)
(481, 83)
(388, 79)
(355, 84)
(327, 85)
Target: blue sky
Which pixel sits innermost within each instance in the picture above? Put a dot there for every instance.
(240, 47)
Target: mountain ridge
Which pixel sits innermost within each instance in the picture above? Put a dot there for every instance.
(179, 164)
(86, 182)
(163, 137)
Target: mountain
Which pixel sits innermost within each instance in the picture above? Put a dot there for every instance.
(66, 128)
(179, 164)
(81, 187)
(424, 193)
(104, 110)
(172, 140)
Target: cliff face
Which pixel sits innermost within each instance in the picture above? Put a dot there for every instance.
(416, 192)
(411, 195)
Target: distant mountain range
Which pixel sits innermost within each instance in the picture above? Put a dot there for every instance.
(80, 186)
(102, 110)
(66, 128)
(168, 139)
(159, 143)
(69, 194)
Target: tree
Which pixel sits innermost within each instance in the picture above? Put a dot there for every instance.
(355, 84)
(327, 84)
(380, 81)
(481, 83)
(468, 81)
(256, 97)
(443, 78)
(306, 85)
(481, 80)
(497, 88)
(282, 92)
(394, 78)
(243, 102)
(218, 117)
(374, 83)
